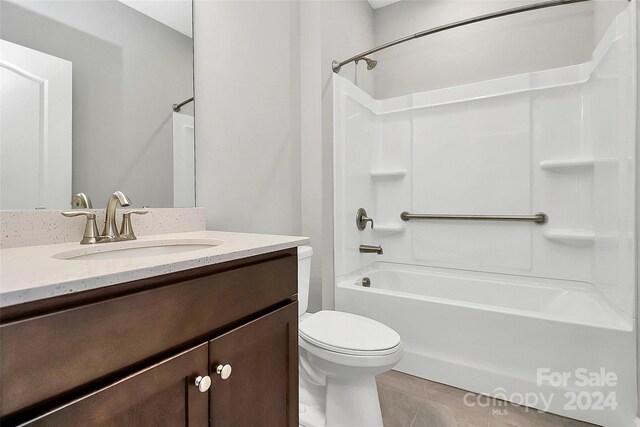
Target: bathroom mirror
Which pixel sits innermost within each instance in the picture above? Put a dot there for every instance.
(87, 96)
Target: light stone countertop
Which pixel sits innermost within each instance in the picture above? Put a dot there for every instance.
(33, 272)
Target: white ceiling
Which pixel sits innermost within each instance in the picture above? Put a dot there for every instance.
(377, 4)
(172, 13)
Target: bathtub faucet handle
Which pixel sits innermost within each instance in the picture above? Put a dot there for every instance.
(362, 219)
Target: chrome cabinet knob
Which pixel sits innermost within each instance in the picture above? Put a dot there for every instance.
(203, 383)
(224, 371)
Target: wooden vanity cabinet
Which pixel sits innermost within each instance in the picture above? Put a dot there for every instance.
(129, 354)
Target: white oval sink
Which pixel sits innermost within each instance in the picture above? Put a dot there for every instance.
(137, 249)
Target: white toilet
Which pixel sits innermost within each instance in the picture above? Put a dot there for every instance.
(340, 355)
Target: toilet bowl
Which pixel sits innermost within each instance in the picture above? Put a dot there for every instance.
(340, 355)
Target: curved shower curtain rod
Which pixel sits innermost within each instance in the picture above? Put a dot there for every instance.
(371, 63)
(177, 107)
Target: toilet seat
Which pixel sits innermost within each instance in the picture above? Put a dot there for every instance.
(348, 333)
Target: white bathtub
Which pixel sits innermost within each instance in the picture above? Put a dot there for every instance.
(490, 333)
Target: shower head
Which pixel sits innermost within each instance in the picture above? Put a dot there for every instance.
(371, 63)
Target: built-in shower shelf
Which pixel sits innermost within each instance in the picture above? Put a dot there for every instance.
(571, 237)
(388, 228)
(573, 165)
(388, 173)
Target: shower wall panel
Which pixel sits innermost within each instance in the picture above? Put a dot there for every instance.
(472, 158)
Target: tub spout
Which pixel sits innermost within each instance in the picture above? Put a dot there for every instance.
(369, 249)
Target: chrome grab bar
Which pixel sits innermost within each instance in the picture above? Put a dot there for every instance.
(538, 217)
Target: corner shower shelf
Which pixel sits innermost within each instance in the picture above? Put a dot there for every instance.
(573, 165)
(388, 228)
(388, 173)
(571, 237)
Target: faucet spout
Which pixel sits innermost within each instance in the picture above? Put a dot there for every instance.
(81, 200)
(369, 249)
(110, 231)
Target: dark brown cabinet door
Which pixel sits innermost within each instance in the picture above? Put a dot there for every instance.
(164, 394)
(262, 390)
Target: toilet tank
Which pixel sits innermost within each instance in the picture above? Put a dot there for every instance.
(304, 275)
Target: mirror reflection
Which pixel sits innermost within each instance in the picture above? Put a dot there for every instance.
(86, 103)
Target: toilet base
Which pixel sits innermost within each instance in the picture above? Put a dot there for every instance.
(353, 403)
(312, 396)
(311, 406)
(348, 404)
(339, 395)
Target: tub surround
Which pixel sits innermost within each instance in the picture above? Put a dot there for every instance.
(21, 282)
(559, 141)
(44, 227)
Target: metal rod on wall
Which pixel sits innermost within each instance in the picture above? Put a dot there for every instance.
(176, 107)
(512, 11)
(538, 217)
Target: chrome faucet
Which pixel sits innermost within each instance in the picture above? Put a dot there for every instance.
(110, 231)
(369, 249)
(81, 200)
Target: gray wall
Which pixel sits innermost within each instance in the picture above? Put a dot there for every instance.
(604, 12)
(247, 72)
(128, 70)
(530, 41)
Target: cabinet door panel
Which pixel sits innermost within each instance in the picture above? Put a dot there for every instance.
(161, 395)
(262, 390)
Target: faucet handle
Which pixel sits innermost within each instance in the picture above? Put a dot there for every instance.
(136, 212)
(69, 214)
(362, 219)
(90, 228)
(126, 229)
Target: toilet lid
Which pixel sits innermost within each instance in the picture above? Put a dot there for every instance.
(348, 333)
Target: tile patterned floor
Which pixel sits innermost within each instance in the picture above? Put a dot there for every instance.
(409, 401)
